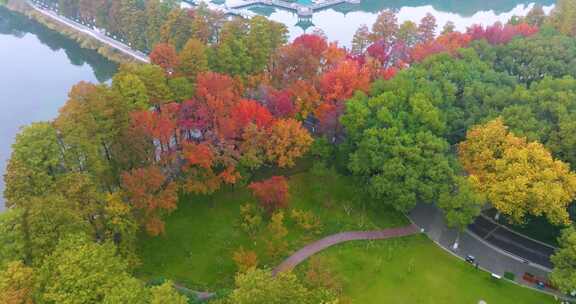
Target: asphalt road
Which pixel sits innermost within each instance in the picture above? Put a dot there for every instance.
(489, 257)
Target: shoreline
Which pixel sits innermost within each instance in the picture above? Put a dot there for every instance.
(83, 39)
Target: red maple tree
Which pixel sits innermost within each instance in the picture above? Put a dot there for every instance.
(272, 193)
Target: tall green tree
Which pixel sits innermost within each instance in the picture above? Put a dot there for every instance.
(81, 271)
(461, 203)
(564, 259)
(91, 124)
(177, 28)
(154, 79)
(394, 148)
(546, 112)
(193, 60)
(563, 17)
(35, 163)
(132, 90)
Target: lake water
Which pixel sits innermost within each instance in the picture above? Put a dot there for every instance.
(340, 22)
(38, 66)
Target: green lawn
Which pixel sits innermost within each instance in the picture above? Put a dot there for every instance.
(414, 270)
(203, 233)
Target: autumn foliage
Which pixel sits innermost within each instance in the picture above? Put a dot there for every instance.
(499, 34)
(151, 192)
(518, 177)
(165, 56)
(287, 141)
(447, 43)
(272, 193)
(343, 80)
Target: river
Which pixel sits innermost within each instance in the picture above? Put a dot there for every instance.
(38, 66)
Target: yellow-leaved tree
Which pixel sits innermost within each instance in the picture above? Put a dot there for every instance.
(518, 177)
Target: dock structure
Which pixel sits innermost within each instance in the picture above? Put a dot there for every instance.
(300, 9)
(231, 11)
(241, 9)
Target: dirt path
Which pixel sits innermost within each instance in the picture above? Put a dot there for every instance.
(342, 237)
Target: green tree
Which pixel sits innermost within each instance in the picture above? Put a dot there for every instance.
(81, 271)
(166, 294)
(177, 28)
(181, 88)
(262, 40)
(401, 168)
(257, 286)
(546, 112)
(35, 163)
(122, 227)
(11, 237)
(132, 90)
(154, 79)
(232, 55)
(193, 60)
(564, 259)
(91, 125)
(44, 222)
(395, 143)
(156, 13)
(408, 33)
(563, 17)
(461, 203)
(532, 59)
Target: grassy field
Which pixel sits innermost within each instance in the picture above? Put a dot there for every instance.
(413, 270)
(203, 233)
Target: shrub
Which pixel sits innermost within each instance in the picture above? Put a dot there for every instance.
(306, 220)
(251, 219)
(509, 275)
(245, 259)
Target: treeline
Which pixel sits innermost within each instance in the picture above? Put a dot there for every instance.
(143, 24)
(221, 101)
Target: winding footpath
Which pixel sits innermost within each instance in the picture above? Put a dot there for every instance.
(329, 241)
(311, 249)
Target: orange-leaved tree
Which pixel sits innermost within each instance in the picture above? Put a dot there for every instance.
(287, 141)
(152, 194)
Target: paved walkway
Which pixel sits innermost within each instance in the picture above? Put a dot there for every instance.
(489, 257)
(334, 239)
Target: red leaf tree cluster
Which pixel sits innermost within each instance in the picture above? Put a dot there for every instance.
(208, 137)
(272, 193)
(499, 34)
